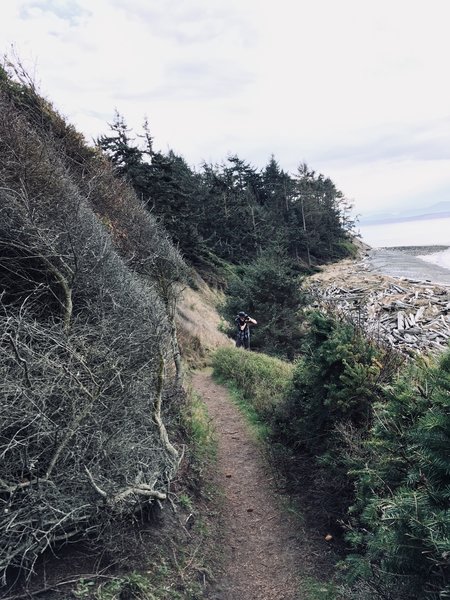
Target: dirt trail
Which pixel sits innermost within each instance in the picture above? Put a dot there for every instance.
(262, 557)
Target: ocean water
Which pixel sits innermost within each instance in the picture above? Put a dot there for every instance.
(438, 258)
(420, 232)
(423, 232)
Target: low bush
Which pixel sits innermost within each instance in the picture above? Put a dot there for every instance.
(401, 518)
(263, 380)
(334, 383)
(370, 436)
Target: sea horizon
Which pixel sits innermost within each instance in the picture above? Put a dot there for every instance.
(418, 232)
(412, 233)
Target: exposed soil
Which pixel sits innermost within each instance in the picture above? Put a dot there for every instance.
(262, 553)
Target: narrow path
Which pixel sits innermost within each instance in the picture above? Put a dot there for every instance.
(262, 559)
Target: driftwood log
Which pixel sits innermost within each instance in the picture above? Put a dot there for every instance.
(411, 316)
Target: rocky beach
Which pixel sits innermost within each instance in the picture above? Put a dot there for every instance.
(405, 263)
(395, 296)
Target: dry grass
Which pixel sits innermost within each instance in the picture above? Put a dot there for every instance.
(199, 324)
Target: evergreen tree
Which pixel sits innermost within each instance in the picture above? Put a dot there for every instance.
(125, 155)
(318, 229)
(269, 289)
(165, 182)
(402, 514)
(175, 194)
(232, 211)
(277, 189)
(234, 226)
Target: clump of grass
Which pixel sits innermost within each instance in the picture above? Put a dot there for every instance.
(258, 426)
(262, 380)
(202, 441)
(133, 586)
(312, 589)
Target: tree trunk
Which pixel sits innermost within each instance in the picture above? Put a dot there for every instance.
(306, 233)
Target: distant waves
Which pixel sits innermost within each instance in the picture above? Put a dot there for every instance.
(441, 258)
(404, 264)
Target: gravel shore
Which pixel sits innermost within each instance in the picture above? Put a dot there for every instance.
(399, 298)
(403, 263)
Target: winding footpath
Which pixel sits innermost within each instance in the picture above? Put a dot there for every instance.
(262, 556)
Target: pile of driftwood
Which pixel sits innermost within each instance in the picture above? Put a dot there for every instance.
(411, 316)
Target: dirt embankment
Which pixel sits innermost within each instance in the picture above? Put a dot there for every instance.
(199, 323)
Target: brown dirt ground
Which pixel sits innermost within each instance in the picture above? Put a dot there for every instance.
(261, 550)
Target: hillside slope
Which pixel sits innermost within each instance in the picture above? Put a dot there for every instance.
(88, 353)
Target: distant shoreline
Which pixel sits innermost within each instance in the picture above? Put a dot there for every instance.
(403, 262)
(410, 233)
(404, 219)
(416, 250)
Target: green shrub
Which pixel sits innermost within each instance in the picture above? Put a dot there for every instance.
(402, 510)
(262, 379)
(269, 290)
(318, 429)
(335, 382)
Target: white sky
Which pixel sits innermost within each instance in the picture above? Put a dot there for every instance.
(358, 89)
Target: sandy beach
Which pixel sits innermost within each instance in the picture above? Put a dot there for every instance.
(401, 263)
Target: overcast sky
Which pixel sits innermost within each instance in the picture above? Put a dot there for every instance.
(358, 89)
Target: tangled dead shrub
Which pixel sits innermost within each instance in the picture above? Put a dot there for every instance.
(86, 342)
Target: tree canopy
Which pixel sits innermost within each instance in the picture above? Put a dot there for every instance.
(233, 211)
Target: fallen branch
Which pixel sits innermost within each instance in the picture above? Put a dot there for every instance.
(157, 413)
(49, 588)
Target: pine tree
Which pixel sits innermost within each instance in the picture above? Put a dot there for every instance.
(269, 289)
(125, 155)
(404, 488)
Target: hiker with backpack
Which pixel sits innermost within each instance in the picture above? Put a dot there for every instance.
(243, 322)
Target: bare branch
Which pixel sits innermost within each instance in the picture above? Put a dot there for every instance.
(99, 491)
(157, 412)
(22, 361)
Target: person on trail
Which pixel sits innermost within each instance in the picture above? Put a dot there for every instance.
(243, 330)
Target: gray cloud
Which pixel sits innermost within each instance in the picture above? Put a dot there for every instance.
(245, 78)
(188, 24)
(69, 11)
(189, 80)
(426, 142)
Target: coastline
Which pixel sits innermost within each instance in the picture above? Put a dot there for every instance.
(396, 297)
(405, 264)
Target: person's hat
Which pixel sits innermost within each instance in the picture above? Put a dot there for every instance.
(242, 314)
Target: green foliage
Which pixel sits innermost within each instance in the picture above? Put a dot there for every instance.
(258, 425)
(381, 442)
(232, 211)
(318, 590)
(402, 509)
(164, 182)
(317, 218)
(269, 290)
(126, 157)
(335, 382)
(263, 380)
(202, 442)
(133, 587)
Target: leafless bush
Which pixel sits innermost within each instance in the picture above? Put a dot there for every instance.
(86, 334)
